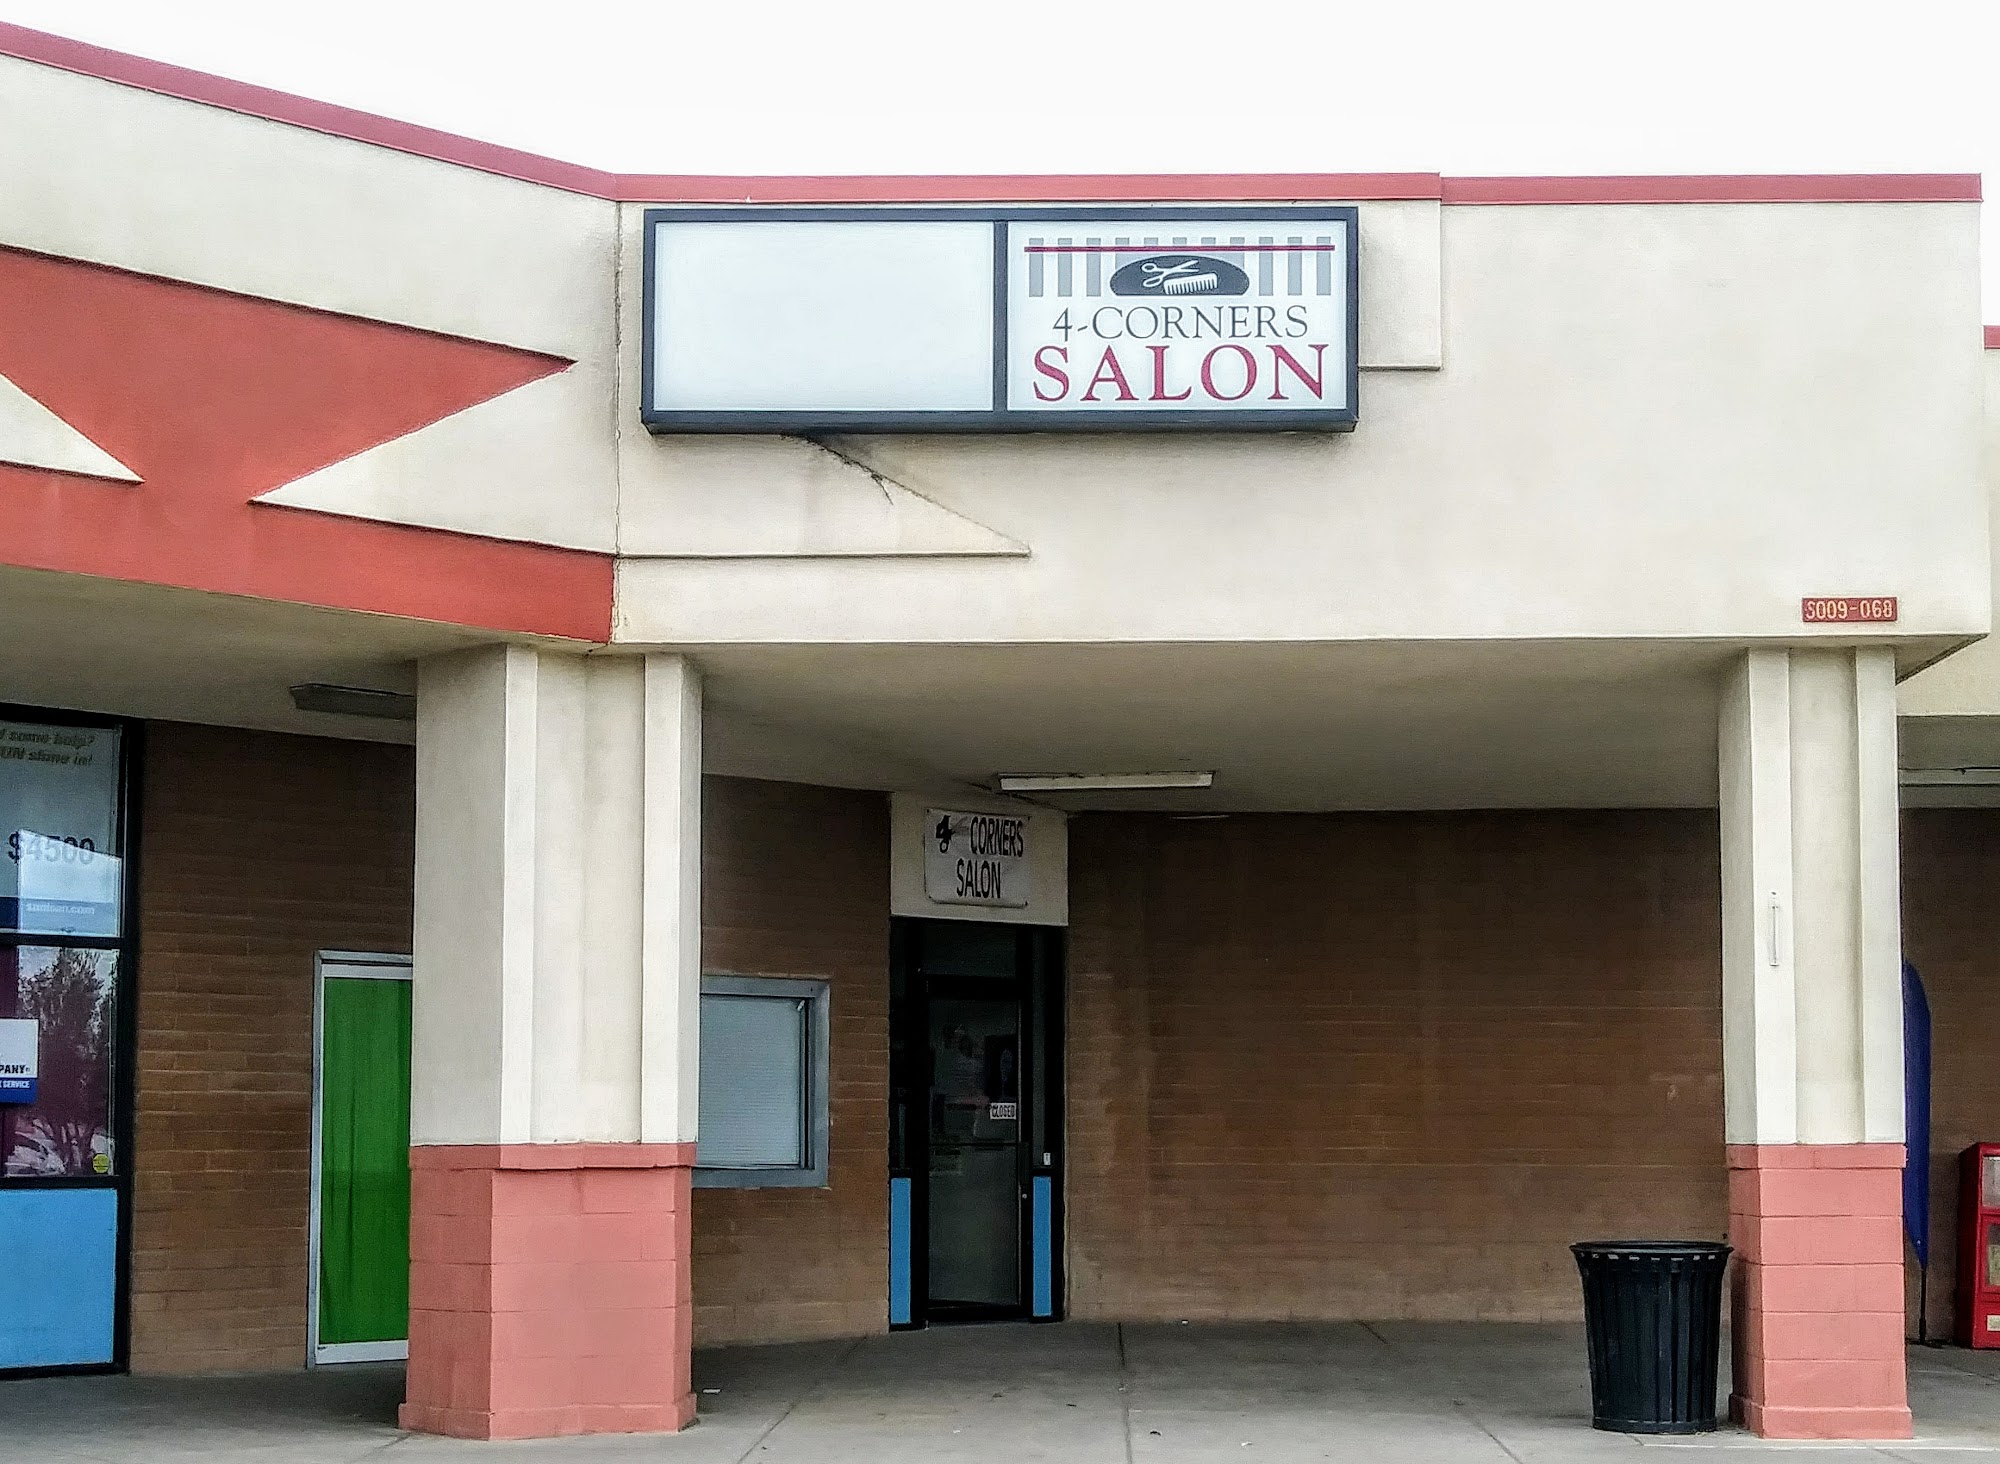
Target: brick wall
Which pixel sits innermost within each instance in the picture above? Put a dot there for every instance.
(256, 851)
(795, 882)
(1951, 933)
(260, 849)
(1320, 1065)
(1386, 1066)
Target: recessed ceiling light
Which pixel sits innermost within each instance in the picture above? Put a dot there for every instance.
(1099, 782)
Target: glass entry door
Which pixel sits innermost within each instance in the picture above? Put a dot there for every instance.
(975, 1151)
(975, 1147)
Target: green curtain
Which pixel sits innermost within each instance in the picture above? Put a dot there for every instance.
(364, 1196)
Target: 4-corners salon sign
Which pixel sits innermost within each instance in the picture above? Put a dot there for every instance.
(1000, 319)
(976, 858)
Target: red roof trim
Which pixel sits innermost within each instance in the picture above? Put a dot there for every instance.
(276, 106)
(1030, 188)
(1722, 188)
(1993, 337)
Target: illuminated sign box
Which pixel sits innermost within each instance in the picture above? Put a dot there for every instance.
(1000, 320)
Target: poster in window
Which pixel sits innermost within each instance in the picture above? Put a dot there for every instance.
(1002, 1079)
(20, 1059)
(69, 994)
(1002, 1059)
(59, 870)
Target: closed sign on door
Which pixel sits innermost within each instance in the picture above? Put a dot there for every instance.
(976, 858)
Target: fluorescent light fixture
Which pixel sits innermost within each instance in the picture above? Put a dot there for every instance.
(1099, 782)
(1949, 777)
(354, 701)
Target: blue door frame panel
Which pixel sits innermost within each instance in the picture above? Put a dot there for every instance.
(1044, 1242)
(899, 1252)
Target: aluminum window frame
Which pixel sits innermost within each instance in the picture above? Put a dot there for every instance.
(815, 993)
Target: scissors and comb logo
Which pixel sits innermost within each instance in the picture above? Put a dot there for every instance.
(1180, 274)
(1269, 266)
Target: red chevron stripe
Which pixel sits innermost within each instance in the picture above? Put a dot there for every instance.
(213, 398)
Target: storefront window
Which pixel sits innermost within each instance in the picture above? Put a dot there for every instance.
(65, 1030)
(65, 999)
(61, 874)
(763, 1082)
(62, 883)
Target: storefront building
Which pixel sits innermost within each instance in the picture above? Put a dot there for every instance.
(1287, 766)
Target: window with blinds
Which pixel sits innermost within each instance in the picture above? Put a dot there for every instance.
(763, 1082)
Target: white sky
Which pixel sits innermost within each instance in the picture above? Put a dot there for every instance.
(900, 86)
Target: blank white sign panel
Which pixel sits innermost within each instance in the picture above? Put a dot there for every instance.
(822, 316)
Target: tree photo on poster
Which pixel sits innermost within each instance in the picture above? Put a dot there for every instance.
(66, 1132)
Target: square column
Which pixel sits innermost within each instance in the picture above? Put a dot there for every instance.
(557, 990)
(1812, 1042)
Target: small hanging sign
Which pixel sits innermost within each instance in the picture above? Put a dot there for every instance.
(976, 858)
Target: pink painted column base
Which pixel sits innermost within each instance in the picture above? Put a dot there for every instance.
(549, 1290)
(1817, 1291)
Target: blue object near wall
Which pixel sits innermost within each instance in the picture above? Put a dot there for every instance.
(1044, 1253)
(1917, 1114)
(58, 1276)
(899, 1252)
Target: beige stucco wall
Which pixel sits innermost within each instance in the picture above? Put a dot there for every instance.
(1811, 943)
(557, 908)
(118, 176)
(1967, 684)
(1630, 421)
(1650, 421)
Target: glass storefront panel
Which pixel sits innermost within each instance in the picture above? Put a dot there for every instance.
(60, 874)
(65, 1083)
(69, 996)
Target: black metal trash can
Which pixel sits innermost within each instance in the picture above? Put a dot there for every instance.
(1653, 1311)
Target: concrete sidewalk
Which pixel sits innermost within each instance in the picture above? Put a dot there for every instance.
(1383, 1393)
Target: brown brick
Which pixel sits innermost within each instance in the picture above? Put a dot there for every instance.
(795, 882)
(261, 849)
(1356, 1065)
(257, 850)
(1386, 1065)
(1951, 933)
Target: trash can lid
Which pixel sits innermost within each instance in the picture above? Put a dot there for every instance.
(1650, 1247)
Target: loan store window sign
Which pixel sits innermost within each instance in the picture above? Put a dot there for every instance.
(61, 920)
(60, 874)
(57, 1061)
(1001, 319)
